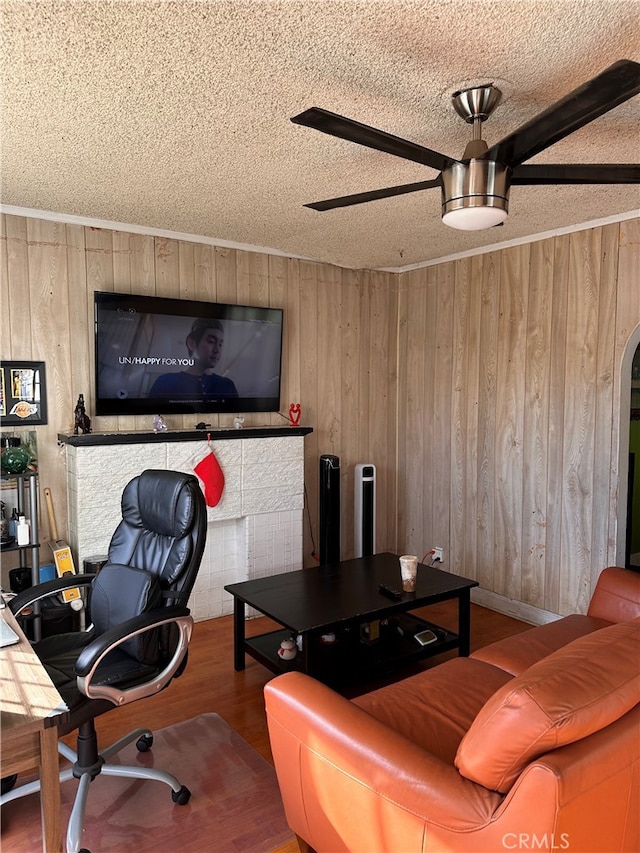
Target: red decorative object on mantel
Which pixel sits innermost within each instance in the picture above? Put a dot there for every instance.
(294, 414)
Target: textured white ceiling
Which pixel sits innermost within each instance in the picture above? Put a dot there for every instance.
(175, 115)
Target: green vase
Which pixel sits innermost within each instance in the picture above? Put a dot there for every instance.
(15, 460)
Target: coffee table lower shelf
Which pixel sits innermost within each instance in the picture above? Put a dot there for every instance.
(350, 658)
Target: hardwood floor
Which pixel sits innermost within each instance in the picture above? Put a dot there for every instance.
(210, 684)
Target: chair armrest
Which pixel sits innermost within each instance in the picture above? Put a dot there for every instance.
(92, 655)
(334, 761)
(43, 590)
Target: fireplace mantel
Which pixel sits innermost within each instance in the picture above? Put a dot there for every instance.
(255, 530)
(96, 439)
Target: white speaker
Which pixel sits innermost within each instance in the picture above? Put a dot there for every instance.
(365, 510)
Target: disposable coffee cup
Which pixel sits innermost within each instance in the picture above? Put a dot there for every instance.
(409, 572)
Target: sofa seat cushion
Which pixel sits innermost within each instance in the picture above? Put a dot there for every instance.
(576, 691)
(435, 708)
(517, 654)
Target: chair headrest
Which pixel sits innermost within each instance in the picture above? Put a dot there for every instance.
(160, 501)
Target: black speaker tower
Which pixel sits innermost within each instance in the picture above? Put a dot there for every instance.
(329, 509)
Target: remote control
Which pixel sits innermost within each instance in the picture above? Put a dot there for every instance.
(390, 592)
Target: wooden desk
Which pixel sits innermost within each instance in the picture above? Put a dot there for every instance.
(29, 706)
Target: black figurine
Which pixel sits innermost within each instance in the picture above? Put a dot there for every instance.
(82, 419)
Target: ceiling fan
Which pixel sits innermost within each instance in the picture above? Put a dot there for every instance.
(475, 188)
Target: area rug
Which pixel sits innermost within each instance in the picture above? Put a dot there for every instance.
(235, 802)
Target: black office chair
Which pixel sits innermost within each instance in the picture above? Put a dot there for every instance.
(139, 634)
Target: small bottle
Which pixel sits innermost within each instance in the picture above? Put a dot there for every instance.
(13, 523)
(22, 531)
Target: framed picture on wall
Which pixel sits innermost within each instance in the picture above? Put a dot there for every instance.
(23, 393)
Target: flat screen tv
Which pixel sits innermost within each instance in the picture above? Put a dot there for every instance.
(155, 355)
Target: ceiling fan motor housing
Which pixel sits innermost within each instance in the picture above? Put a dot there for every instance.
(476, 183)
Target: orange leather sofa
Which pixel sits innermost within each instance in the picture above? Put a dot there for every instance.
(532, 743)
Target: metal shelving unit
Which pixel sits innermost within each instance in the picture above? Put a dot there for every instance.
(28, 481)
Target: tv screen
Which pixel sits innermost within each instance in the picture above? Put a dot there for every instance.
(175, 356)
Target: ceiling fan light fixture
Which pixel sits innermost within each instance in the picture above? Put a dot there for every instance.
(475, 194)
(475, 218)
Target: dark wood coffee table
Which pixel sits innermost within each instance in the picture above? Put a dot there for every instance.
(373, 634)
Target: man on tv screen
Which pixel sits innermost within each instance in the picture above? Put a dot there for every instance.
(204, 345)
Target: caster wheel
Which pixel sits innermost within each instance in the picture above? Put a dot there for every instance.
(8, 782)
(144, 743)
(182, 796)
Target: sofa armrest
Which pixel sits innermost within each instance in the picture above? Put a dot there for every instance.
(348, 781)
(616, 596)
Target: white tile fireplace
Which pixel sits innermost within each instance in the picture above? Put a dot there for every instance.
(254, 531)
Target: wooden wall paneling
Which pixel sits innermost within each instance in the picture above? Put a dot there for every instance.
(226, 275)
(14, 293)
(5, 282)
(555, 447)
(314, 442)
(605, 464)
(442, 400)
(142, 264)
(350, 342)
(459, 401)
(627, 320)
(18, 271)
(430, 483)
(54, 342)
(518, 306)
(464, 413)
(167, 267)
(487, 392)
(392, 505)
(204, 273)
(381, 367)
(413, 411)
(185, 286)
(402, 445)
(469, 562)
(361, 398)
(277, 294)
(292, 342)
(580, 403)
(536, 423)
(510, 419)
(391, 492)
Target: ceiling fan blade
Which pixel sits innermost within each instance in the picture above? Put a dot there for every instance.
(575, 173)
(373, 195)
(362, 134)
(612, 87)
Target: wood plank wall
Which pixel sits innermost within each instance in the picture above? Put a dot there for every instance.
(336, 359)
(484, 390)
(509, 417)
